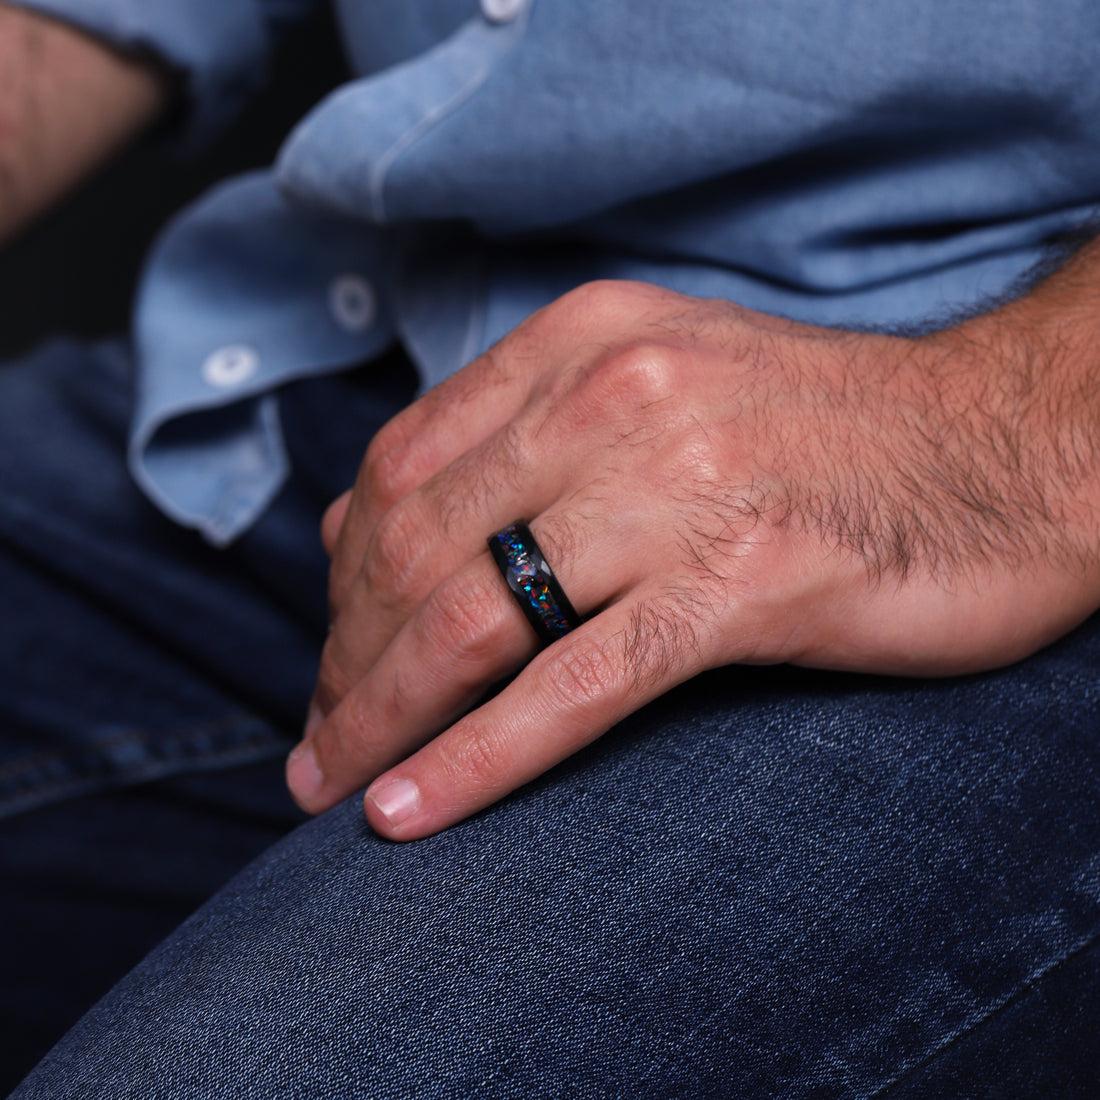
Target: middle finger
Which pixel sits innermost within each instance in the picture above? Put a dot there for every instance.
(433, 532)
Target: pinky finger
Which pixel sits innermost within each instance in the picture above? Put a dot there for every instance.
(567, 697)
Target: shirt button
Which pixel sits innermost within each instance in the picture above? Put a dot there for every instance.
(353, 303)
(502, 11)
(230, 366)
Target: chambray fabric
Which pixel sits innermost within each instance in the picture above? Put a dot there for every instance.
(843, 162)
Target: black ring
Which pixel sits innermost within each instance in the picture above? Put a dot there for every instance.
(532, 582)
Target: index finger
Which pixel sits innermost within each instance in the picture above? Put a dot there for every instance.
(412, 447)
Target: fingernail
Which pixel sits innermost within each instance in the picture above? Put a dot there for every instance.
(313, 721)
(303, 776)
(396, 799)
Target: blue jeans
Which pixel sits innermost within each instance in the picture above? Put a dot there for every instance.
(769, 883)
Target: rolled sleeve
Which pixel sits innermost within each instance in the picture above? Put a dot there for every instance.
(220, 48)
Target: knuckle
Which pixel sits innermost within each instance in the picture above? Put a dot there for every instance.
(691, 458)
(662, 639)
(385, 468)
(459, 618)
(479, 759)
(588, 310)
(479, 477)
(391, 566)
(341, 578)
(493, 369)
(346, 744)
(637, 376)
(604, 298)
(594, 297)
(509, 460)
(333, 682)
(512, 460)
(351, 732)
(584, 673)
(563, 541)
(627, 300)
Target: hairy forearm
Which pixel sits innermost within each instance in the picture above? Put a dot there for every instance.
(1046, 400)
(67, 102)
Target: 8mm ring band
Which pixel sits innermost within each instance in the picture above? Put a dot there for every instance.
(532, 582)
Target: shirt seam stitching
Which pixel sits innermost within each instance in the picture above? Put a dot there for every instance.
(405, 140)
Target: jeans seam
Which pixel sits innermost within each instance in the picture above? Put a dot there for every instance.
(15, 801)
(882, 1090)
(184, 732)
(1026, 987)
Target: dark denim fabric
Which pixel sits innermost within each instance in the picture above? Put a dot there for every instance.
(91, 884)
(770, 883)
(130, 649)
(131, 653)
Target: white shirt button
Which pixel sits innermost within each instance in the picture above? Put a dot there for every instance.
(502, 11)
(230, 366)
(353, 303)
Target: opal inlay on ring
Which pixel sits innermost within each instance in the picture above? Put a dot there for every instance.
(532, 582)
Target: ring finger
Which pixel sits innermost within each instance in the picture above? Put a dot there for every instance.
(432, 532)
(469, 633)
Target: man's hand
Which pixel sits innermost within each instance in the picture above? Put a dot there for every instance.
(710, 486)
(66, 103)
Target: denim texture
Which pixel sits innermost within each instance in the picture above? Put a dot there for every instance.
(770, 883)
(131, 653)
(91, 883)
(130, 649)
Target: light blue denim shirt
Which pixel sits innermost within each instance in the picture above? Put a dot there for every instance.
(864, 163)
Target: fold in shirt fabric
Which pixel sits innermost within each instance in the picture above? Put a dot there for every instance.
(861, 163)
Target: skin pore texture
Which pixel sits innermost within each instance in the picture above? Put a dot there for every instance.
(67, 102)
(711, 486)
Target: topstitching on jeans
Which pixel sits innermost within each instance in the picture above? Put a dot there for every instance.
(49, 776)
(991, 1014)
